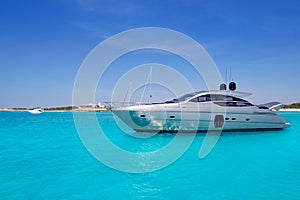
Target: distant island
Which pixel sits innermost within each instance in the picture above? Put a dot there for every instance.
(292, 106)
(101, 108)
(82, 108)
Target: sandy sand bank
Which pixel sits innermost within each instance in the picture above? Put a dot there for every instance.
(290, 110)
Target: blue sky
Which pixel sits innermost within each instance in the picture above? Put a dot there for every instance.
(43, 43)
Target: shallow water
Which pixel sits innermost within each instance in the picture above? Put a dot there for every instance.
(42, 157)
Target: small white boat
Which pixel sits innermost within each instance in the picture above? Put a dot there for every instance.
(36, 111)
(224, 110)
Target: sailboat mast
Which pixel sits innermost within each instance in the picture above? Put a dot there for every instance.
(150, 84)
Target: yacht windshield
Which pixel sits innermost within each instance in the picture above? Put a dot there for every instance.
(182, 98)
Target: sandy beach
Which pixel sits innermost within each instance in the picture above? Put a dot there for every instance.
(290, 110)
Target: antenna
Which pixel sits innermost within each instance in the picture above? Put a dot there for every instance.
(148, 82)
(127, 92)
(150, 86)
(232, 85)
(226, 76)
(230, 73)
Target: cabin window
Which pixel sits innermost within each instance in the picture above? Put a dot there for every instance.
(231, 101)
(201, 99)
(222, 100)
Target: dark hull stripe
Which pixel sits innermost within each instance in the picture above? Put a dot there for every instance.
(205, 131)
(208, 112)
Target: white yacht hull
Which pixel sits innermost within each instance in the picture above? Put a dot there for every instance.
(35, 111)
(207, 117)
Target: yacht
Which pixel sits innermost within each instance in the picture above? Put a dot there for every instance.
(36, 111)
(219, 110)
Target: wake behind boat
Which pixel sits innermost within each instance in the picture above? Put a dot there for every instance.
(222, 109)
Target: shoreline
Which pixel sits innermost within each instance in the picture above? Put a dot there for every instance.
(105, 110)
(289, 110)
(45, 111)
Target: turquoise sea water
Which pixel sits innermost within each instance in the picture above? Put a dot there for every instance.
(42, 157)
